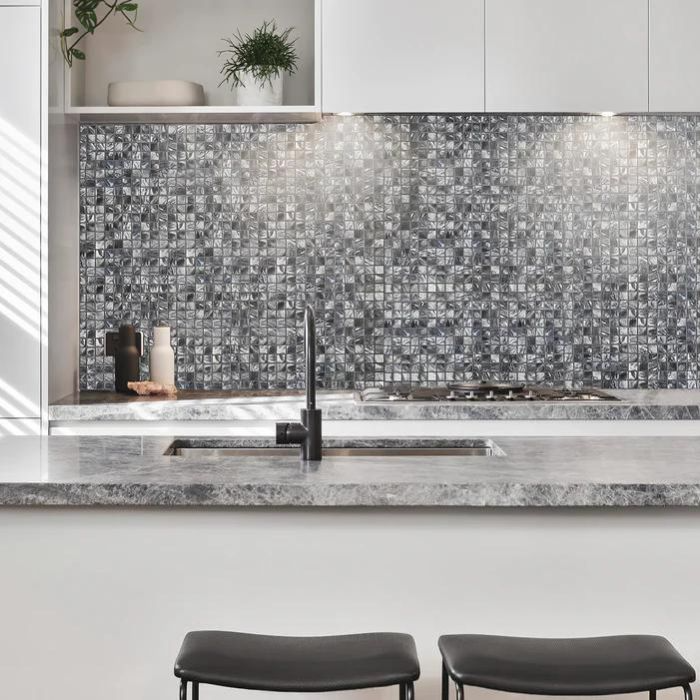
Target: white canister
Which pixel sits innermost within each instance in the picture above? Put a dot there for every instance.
(162, 359)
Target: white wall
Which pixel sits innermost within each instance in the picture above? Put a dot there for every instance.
(180, 41)
(21, 210)
(63, 277)
(63, 227)
(94, 603)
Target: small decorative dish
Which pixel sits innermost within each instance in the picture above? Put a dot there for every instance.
(155, 93)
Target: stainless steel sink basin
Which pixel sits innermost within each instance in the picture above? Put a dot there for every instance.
(366, 448)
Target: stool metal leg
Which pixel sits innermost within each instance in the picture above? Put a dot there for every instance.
(195, 691)
(687, 692)
(409, 691)
(183, 690)
(402, 692)
(460, 691)
(445, 684)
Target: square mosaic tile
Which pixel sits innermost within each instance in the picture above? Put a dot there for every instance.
(538, 248)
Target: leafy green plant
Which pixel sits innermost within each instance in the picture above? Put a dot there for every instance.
(90, 15)
(265, 54)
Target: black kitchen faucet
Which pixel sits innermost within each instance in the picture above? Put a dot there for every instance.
(307, 434)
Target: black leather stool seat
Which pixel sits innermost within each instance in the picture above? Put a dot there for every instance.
(297, 664)
(588, 666)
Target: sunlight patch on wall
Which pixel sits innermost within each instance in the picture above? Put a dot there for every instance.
(20, 275)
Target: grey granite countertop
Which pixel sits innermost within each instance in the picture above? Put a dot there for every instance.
(535, 471)
(661, 404)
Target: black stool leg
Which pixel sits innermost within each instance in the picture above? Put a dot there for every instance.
(183, 690)
(445, 684)
(409, 691)
(460, 691)
(687, 692)
(195, 691)
(402, 692)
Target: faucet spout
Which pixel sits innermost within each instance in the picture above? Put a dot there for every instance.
(310, 352)
(308, 433)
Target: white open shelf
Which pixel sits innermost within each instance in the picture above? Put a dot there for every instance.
(207, 114)
(180, 39)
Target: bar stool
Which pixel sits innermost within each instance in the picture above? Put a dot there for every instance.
(297, 664)
(588, 666)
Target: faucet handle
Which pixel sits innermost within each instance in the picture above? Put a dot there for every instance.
(281, 430)
(290, 433)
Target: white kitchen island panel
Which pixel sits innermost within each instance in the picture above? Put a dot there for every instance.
(96, 601)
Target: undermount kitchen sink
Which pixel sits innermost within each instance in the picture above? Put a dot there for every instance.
(210, 447)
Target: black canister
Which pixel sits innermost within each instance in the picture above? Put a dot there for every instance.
(126, 360)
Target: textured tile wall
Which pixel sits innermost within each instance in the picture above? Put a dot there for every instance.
(556, 249)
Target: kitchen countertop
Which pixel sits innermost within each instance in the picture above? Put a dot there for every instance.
(633, 404)
(535, 471)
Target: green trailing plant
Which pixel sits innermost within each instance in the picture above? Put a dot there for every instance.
(264, 54)
(90, 15)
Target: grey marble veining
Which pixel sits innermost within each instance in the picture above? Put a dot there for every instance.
(128, 471)
(662, 404)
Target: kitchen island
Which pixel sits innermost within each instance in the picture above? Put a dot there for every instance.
(522, 472)
(111, 551)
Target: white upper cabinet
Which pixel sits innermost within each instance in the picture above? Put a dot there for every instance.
(403, 56)
(674, 56)
(20, 209)
(180, 39)
(567, 55)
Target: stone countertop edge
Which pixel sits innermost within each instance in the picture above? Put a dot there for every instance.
(661, 404)
(600, 472)
(350, 496)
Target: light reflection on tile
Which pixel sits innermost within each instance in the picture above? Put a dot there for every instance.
(554, 249)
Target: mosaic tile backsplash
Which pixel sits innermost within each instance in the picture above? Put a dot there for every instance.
(552, 249)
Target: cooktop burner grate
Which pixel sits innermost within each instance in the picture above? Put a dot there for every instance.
(484, 391)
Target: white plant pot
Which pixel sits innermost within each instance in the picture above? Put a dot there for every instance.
(252, 94)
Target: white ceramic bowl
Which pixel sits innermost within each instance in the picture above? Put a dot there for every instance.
(155, 93)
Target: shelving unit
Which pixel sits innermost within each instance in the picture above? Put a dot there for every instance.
(285, 114)
(180, 40)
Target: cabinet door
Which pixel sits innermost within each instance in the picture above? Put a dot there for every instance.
(398, 56)
(20, 212)
(566, 55)
(674, 56)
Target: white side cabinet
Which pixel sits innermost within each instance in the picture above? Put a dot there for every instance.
(20, 209)
(674, 56)
(398, 56)
(567, 55)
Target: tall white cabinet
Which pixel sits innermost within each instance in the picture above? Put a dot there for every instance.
(566, 55)
(398, 56)
(674, 56)
(20, 218)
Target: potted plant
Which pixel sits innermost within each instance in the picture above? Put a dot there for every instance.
(90, 15)
(257, 62)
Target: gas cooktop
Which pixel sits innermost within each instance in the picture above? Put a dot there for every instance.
(483, 391)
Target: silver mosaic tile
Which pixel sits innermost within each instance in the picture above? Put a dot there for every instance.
(554, 249)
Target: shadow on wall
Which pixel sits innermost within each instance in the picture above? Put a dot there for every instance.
(20, 277)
